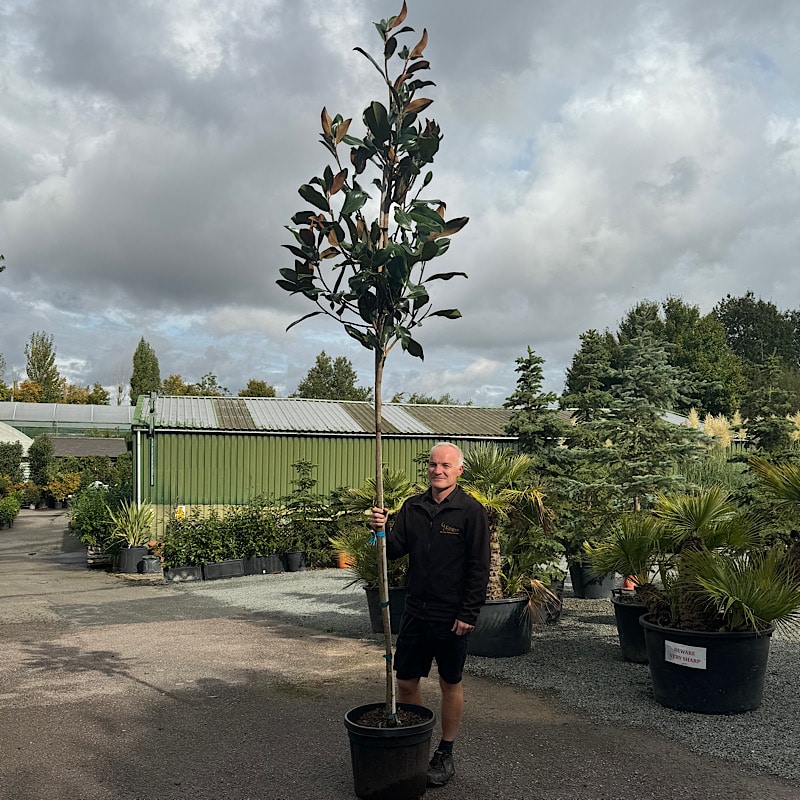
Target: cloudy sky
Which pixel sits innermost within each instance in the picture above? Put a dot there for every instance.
(605, 152)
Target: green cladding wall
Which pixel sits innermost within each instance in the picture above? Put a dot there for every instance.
(229, 468)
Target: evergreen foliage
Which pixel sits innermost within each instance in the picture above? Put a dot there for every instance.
(145, 377)
(534, 418)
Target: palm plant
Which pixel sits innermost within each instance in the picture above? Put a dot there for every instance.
(356, 541)
(499, 479)
(720, 574)
(131, 523)
(633, 547)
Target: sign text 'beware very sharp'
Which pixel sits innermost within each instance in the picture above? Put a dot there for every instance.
(686, 656)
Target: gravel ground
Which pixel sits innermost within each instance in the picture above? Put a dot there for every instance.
(575, 662)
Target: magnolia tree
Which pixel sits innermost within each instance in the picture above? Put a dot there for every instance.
(372, 275)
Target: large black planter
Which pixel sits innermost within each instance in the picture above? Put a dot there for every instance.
(129, 558)
(231, 568)
(183, 574)
(390, 763)
(503, 629)
(588, 586)
(263, 565)
(629, 631)
(397, 604)
(295, 561)
(708, 673)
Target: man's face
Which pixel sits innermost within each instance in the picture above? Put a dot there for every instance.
(443, 469)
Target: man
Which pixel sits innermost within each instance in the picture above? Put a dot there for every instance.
(445, 533)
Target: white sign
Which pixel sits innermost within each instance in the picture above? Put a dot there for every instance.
(686, 656)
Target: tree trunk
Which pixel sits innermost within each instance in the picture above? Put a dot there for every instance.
(383, 579)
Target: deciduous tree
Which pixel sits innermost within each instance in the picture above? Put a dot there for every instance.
(256, 388)
(332, 379)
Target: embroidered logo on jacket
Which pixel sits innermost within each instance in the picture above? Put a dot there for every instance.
(449, 529)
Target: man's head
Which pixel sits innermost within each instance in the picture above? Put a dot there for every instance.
(445, 465)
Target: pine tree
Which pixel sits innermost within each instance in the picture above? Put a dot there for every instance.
(589, 377)
(639, 448)
(145, 377)
(534, 420)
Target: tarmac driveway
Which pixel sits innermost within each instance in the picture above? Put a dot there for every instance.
(121, 689)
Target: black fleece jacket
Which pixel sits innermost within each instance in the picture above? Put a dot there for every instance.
(448, 548)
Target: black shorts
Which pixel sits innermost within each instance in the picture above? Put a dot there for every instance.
(420, 642)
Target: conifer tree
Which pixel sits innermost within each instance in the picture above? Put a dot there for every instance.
(145, 377)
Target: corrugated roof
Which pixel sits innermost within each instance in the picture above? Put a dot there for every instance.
(295, 415)
(185, 412)
(461, 420)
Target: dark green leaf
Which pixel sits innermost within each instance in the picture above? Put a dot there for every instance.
(449, 313)
(429, 250)
(403, 219)
(311, 195)
(295, 251)
(367, 55)
(354, 200)
(390, 47)
(306, 236)
(377, 121)
(289, 287)
(303, 217)
(413, 348)
(445, 276)
(307, 316)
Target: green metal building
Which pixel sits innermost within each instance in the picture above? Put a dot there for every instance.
(219, 451)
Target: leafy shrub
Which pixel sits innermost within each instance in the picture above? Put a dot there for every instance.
(89, 517)
(9, 508)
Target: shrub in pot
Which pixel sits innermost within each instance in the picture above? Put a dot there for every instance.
(131, 529)
(9, 509)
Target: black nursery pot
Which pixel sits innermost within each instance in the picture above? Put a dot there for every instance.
(719, 672)
(630, 633)
(129, 558)
(503, 629)
(390, 763)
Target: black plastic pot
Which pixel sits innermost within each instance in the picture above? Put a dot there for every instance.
(150, 566)
(183, 574)
(129, 558)
(263, 565)
(231, 568)
(390, 763)
(588, 586)
(630, 633)
(295, 561)
(707, 672)
(397, 604)
(503, 629)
